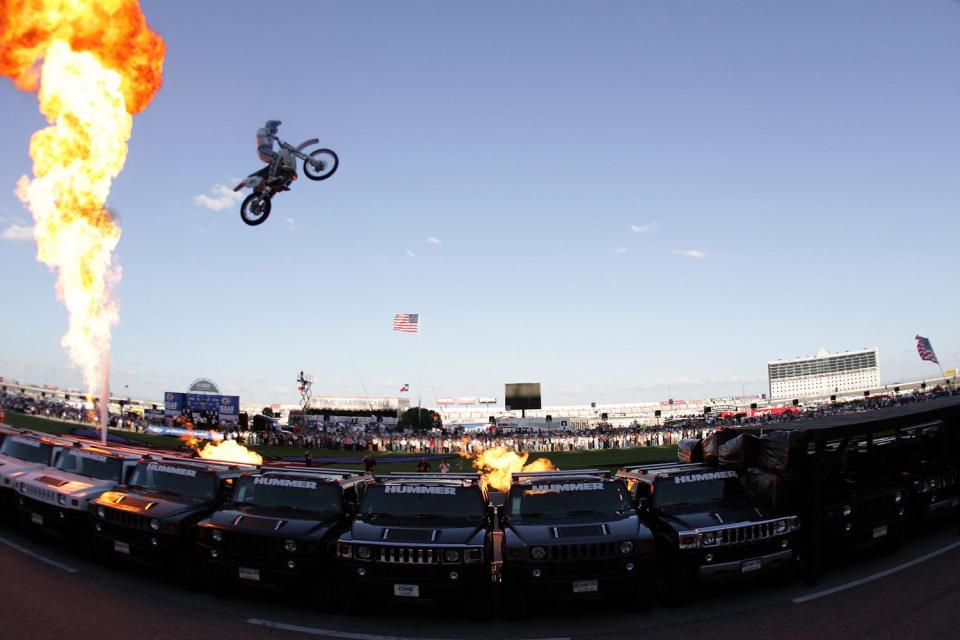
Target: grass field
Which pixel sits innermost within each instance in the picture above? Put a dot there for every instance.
(600, 458)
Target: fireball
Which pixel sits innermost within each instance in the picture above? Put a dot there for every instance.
(93, 63)
(497, 465)
(229, 451)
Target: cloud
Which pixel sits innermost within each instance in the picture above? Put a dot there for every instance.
(621, 250)
(291, 224)
(17, 233)
(434, 240)
(641, 228)
(691, 253)
(410, 253)
(223, 197)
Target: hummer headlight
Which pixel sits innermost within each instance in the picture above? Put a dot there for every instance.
(689, 541)
(780, 526)
(932, 483)
(216, 535)
(626, 547)
(61, 499)
(538, 553)
(847, 510)
(290, 546)
(451, 555)
(155, 524)
(917, 484)
(101, 512)
(363, 553)
(898, 497)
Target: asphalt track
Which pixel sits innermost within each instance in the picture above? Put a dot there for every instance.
(50, 591)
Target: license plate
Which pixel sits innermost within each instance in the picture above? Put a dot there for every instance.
(36, 518)
(249, 574)
(406, 590)
(585, 586)
(121, 547)
(751, 565)
(879, 532)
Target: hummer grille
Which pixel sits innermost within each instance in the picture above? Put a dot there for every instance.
(251, 543)
(584, 551)
(408, 555)
(44, 495)
(747, 533)
(126, 519)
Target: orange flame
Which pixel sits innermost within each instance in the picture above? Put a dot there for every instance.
(229, 451)
(94, 64)
(498, 463)
(224, 451)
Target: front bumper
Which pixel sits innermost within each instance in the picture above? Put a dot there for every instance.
(137, 545)
(273, 569)
(738, 569)
(439, 582)
(584, 578)
(50, 517)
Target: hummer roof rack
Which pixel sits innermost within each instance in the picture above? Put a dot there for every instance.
(461, 479)
(326, 472)
(200, 462)
(661, 468)
(557, 474)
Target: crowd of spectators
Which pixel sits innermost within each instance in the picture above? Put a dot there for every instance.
(453, 440)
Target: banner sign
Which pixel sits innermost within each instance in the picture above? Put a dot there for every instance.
(178, 432)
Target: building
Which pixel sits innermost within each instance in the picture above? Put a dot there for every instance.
(824, 374)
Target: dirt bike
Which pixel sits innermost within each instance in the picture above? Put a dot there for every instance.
(318, 164)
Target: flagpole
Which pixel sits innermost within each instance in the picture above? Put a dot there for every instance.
(419, 390)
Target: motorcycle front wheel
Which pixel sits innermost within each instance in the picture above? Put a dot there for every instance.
(255, 209)
(321, 164)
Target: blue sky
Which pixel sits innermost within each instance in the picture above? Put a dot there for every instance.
(620, 196)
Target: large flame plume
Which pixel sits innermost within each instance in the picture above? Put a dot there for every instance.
(94, 63)
(224, 451)
(497, 465)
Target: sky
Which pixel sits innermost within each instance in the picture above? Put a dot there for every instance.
(625, 201)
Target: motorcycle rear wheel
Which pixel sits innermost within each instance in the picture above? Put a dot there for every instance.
(328, 161)
(255, 209)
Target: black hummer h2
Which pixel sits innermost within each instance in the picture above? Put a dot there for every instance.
(707, 528)
(865, 503)
(420, 535)
(280, 527)
(574, 534)
(152, 518)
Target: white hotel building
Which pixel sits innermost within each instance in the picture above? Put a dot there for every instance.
(824, 374)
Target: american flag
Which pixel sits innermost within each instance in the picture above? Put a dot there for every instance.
(405, 387)
(926, 350)
(409, 322)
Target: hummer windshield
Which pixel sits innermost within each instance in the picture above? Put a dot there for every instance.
(297, 494)
(26, 449)
(181, 481)
(568, 499)
(423, 502)
(92, 465)
(697, 488)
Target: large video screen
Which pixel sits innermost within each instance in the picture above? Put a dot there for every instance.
(521, 396)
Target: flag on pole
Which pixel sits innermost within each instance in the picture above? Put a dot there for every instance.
(408, 322)
(405, 387)
(926, 350)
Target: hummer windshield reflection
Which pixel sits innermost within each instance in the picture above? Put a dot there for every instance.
(568, 499)
(92, 465)
(182, 481)
(288, 493)
(416, 502)
(26, 450)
